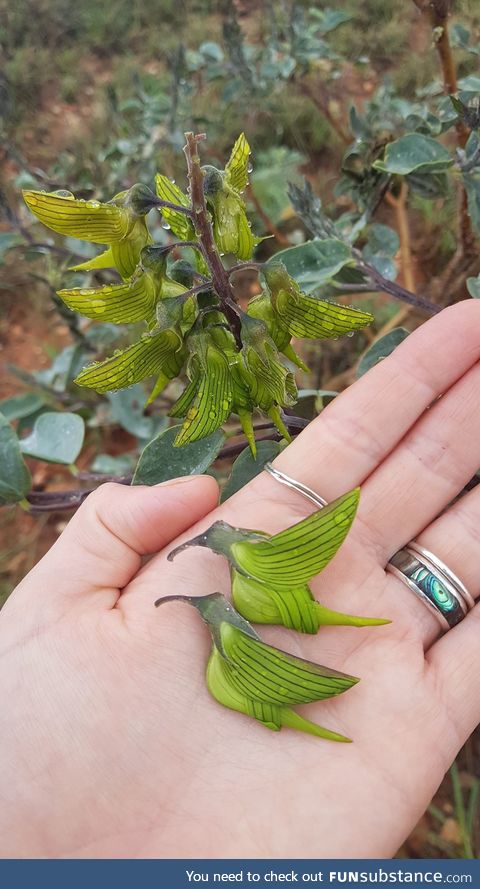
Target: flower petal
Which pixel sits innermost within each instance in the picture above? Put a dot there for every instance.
(297, 554)
(273, 676)
(136, 363)
(180, 224)
(117, 303)
(237, 167)
(213, 402)
(88, 220)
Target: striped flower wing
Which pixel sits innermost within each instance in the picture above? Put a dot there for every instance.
(117, 303)
(87, 220)
(313, 318)
(245, 239)
(237, 167)
(297, 554)
(273, 676)
(213, 402)
(180, 224)
(182, 404)
(136, 363)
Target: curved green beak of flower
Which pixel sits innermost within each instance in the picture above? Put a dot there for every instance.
(306, 316)
(256, 679)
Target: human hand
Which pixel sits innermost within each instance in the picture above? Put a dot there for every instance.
(110, 743)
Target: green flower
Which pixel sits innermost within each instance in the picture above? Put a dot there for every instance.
(288, 559)
(207, 401)
(223, 190)
(120, 223)
(256, 679)
(261, 307)
(306, 316)
(270, 574)
(160, 353)
(133, 301)
(295, 608)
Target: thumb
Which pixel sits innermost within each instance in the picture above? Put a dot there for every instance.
(103, 544)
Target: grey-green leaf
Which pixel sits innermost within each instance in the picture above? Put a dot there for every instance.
(246, 467)
(381, 349)
(473, 287)
(316, 262)
(55, 438)
(161, 461)
(414, 151)
(19, 406)
(15, 480)
(471, 182)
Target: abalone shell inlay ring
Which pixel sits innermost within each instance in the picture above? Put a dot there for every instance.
(419, 569)
(433, 582)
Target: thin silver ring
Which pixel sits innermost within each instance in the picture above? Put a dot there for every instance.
(285, 479)
(439, 589)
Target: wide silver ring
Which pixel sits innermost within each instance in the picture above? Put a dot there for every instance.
(424, 573)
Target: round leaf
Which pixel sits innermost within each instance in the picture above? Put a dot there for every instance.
(414, 152)
(160, 460)
(56, 438)
(473, 287)
(19, 406)
(315, 262)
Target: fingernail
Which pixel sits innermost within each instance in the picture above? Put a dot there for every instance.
(183, 480)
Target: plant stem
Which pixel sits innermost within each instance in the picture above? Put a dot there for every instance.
(320, 100)
(187, 211)
(399, 204)
(394, 289)
(438, 12)
(204, 231)
(61, 501)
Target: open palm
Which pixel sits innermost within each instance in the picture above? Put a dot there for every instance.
(110, 743)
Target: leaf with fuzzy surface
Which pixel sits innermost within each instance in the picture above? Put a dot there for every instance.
(15, 480)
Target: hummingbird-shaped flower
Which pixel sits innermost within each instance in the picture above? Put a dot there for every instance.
(306, 316)
(270, 574)
(264, 682)
(120, 223)
(133, 301)
(162, 351)
(207, 401)
(261, 307)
